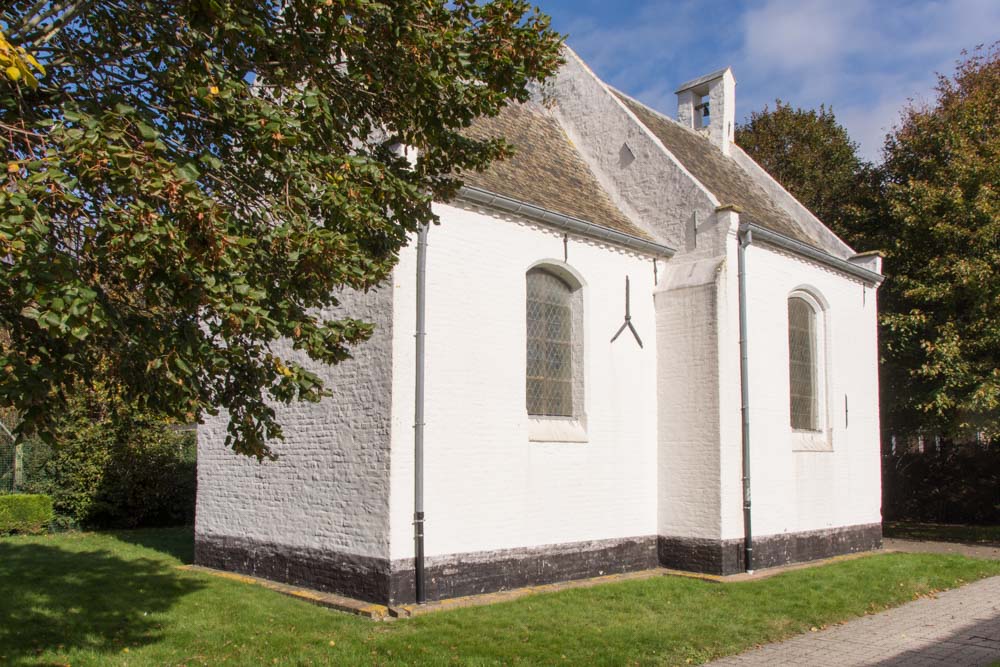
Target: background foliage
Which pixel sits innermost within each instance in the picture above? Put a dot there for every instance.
(941, 238)
(933, 210)
(9, 451)
(190, 181)
(947, 483)
(815, 159)
(113, 466)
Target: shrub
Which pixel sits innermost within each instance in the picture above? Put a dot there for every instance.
(24, 513)
(114, 466)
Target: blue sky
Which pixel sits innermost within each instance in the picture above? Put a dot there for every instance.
(866, 59)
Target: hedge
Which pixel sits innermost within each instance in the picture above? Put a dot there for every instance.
(129, 474)
(25, 513)
(947, 483)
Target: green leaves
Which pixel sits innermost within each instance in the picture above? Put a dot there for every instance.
(933, 209)
(192, 182)
(941, 302)
(812, 156)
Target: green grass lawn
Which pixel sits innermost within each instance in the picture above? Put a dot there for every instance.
(118, 598)
(941, 532)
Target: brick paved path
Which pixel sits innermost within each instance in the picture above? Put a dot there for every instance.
(959, 627)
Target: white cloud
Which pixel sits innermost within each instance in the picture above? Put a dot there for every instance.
(863, 58)
(869, 123)
(802, 36)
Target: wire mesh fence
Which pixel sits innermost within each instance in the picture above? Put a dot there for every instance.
(11, 464)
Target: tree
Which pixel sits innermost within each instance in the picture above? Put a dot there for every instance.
(112, 466)
(189, 181)
(814, 158)
(941, 302)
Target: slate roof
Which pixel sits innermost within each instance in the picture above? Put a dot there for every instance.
(547, 170)
(720, 174)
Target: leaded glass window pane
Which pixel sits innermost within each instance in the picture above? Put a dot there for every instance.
(802, 365)
(550, 346)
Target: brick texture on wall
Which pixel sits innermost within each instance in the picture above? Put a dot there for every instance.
(329, 488)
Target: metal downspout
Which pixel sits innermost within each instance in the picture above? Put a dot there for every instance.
(745, 238)
(418, 417)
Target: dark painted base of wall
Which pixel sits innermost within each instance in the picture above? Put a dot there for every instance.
(358, 577)
(378, 580)
(373, 579)
(489, 571)
(727, 556)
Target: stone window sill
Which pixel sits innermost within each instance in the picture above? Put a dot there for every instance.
(812, 441)
(556, 429)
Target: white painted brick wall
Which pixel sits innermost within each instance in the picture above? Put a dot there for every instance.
(688, 348)
(803, 490)
(722, 108)
(330, 487)
(701, 493)
(487, 486)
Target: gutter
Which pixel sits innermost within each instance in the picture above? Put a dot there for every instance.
(799, 248)
(745, 238)
(565, 223)
(418, 417)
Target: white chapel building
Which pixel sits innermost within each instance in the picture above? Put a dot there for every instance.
(636, 350)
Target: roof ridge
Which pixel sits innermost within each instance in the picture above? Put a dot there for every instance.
(704, 78)
(811, 220)
(663, 116)
(645, 106)
(726, 177)
(811, 217)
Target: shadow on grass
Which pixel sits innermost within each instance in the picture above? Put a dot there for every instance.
(59, 599)
(177, 541)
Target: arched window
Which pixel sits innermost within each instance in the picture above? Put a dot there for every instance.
(550, 319)
(803, 364)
